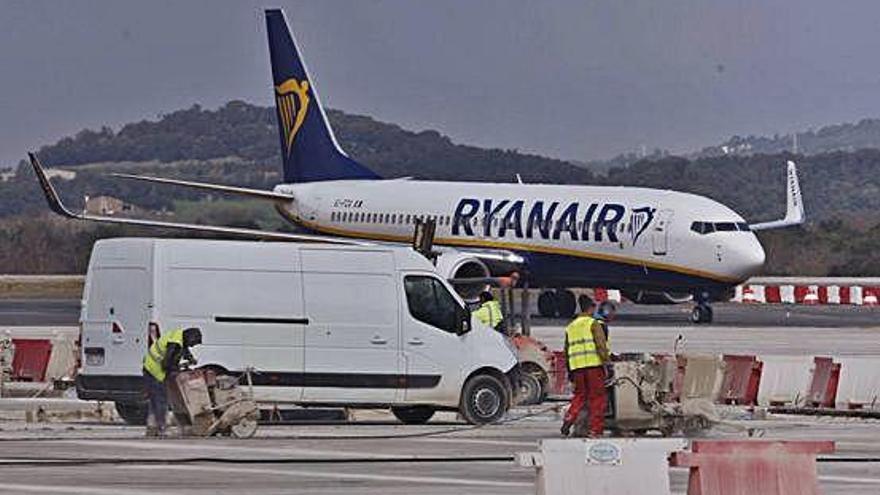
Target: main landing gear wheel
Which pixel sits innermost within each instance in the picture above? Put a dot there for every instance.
(566, 303)
(702, 313)
(560, 303)
(547, 304)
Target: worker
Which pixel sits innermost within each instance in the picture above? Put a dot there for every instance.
(586, 354)
(489, 312)
(161, 362)
(604, 314)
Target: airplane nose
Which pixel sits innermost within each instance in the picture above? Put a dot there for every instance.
(751, 258)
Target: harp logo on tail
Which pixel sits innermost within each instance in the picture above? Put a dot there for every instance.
(292, 101)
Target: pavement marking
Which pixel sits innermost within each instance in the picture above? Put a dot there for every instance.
(117, 490)
(847, 479)
(487, 441)
(431, 480)
(205, 447)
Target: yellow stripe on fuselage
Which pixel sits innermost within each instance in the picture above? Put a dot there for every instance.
(485, 243)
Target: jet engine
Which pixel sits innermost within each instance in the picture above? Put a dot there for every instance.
(453, 265)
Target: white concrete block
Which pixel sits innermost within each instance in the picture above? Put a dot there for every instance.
(784, 378)
(619, 466)
(859, 380)
(786, 293)
(833, 294)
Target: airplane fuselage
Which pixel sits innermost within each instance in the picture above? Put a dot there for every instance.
(572, 236)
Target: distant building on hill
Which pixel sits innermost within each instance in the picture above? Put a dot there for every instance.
(107, 205)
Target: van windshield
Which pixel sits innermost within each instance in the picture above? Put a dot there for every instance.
(430, 302)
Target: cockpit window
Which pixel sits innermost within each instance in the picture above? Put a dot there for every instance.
(710, 227)
(703, 227)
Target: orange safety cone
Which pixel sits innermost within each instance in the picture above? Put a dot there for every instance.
(752, 467)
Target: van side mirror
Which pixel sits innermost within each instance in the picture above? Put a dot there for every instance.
(463, 315)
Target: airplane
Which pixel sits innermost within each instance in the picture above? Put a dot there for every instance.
(650, 243)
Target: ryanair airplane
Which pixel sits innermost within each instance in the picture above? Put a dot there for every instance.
(652, 244)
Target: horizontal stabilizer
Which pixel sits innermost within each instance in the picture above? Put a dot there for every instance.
(58, 207)
(255, 193)
(794, 208)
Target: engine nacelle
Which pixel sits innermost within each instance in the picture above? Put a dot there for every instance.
(453, 265)
(648, 297)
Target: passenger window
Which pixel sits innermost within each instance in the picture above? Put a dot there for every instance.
(430, 302)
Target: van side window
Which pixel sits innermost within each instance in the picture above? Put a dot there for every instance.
(430, 302)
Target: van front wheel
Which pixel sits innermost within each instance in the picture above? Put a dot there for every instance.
(484, 399)
(415, 415)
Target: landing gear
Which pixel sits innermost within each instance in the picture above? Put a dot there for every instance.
(702, 312)
(560, 303)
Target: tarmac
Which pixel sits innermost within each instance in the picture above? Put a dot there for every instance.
(46, 311)
(375, 455)
(369, 457)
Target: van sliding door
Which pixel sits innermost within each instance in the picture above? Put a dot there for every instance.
(353, 340)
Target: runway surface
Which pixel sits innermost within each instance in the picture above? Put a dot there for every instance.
(286, 459)
(34, 312)
(384, 457)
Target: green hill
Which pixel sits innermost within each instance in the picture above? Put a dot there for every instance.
(238, 144)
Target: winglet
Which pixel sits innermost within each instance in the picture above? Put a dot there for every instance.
(794, 205)
(58, 207)
(49, 191)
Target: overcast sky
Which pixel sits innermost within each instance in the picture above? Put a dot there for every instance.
(570, 79)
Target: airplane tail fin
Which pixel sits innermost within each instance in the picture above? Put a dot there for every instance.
(309, 149)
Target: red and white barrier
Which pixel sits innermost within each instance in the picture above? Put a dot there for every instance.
(807, 294)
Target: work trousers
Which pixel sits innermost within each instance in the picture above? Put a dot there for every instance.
(589, 390)
(157, 401)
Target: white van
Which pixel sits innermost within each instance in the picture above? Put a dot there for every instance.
(359, 326)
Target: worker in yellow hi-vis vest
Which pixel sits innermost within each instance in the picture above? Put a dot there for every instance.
(489, 312)
(586, 354)
(163, 359)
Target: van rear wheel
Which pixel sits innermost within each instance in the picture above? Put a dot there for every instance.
(484, 399)
(415, 415)
(133, 413)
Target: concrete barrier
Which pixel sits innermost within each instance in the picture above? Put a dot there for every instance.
(602, 466)
(784, 379)
(809, 290)
(752, 467)
(859, 384)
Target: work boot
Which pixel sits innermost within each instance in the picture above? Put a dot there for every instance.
(566, 428)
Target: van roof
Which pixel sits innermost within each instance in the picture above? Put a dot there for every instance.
(405, 257)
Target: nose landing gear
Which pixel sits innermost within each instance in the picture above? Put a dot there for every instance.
(702, 312)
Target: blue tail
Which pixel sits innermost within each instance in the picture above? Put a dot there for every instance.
(308, 146)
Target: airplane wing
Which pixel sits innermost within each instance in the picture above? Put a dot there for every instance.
(255, 193)
(58, 207)
(794, 211)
